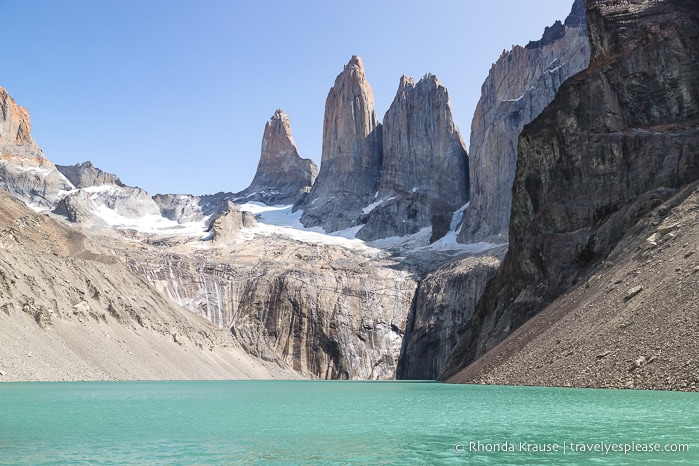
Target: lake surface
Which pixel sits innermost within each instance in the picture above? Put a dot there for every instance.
(316, 422)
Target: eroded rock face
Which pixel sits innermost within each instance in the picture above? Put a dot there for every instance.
(519, 86)
(327, 311)
(351, 155)
(24, 171)
(228, 225)
(85, 175)
(109, 205)
(444, 302)
(617, 140)
(425, 166)
(282, 176)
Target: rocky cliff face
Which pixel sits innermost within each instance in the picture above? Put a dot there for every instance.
(351, 154)
(326, 311)
(85, 175)
(282, 176)
(443, 305)
(617, 140)
(519, 86)
(424, 179)
(632, 324)
(24, 171)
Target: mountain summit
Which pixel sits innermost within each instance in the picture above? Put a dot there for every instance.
(282, 175)
(425, 166)
(351, 156)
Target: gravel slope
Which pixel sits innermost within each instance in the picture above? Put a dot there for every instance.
(633, 324)
(70, 310)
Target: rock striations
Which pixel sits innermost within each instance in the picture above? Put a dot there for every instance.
(520, 84)
(24, 171)
(618, 140)
(351, 154)
(282, 176)
(424, 179)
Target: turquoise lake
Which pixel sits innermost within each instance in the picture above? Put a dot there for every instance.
(316, 422)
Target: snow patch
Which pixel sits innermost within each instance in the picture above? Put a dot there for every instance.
(149, 223)
(280, 220)
(375, 204)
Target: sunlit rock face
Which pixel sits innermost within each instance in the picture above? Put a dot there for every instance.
(351, 155)
(519, 86)
(282, 176)
(424, 179)
(326, 311)
(24, 171)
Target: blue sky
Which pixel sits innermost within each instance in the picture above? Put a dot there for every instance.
(173, 95)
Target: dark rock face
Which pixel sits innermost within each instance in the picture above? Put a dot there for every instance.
(425, 166)
(85, 175)
(351, 158)
(617, 140)
(282, 176)
(443, 305)
(519, 86)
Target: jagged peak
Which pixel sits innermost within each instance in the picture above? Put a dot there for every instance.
(575, 18)
(405, 81)
(279, 114)
(355, 61)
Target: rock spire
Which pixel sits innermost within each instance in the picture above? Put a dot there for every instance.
(425, 165)
(282, 175)
(351, 153)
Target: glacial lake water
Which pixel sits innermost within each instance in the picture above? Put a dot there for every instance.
(316, 422)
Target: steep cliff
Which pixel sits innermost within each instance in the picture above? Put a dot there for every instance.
(617, 141)
(424, 179)
(443, 305)
(282, 176)
(632, 324)
(327, 311)
(24, 171)
(519, 86)
(351, 154)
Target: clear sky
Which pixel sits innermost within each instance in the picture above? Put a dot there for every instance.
(173, 95)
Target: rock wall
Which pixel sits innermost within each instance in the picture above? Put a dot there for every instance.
(519, 86)
(424, 179)
(443, 305)
(632, 324)
(617, 140)
(326, 311)
(282, 176)
(24, 171)
(351, 153)
(226, 226)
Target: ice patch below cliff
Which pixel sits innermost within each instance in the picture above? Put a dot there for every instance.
(280, 220)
